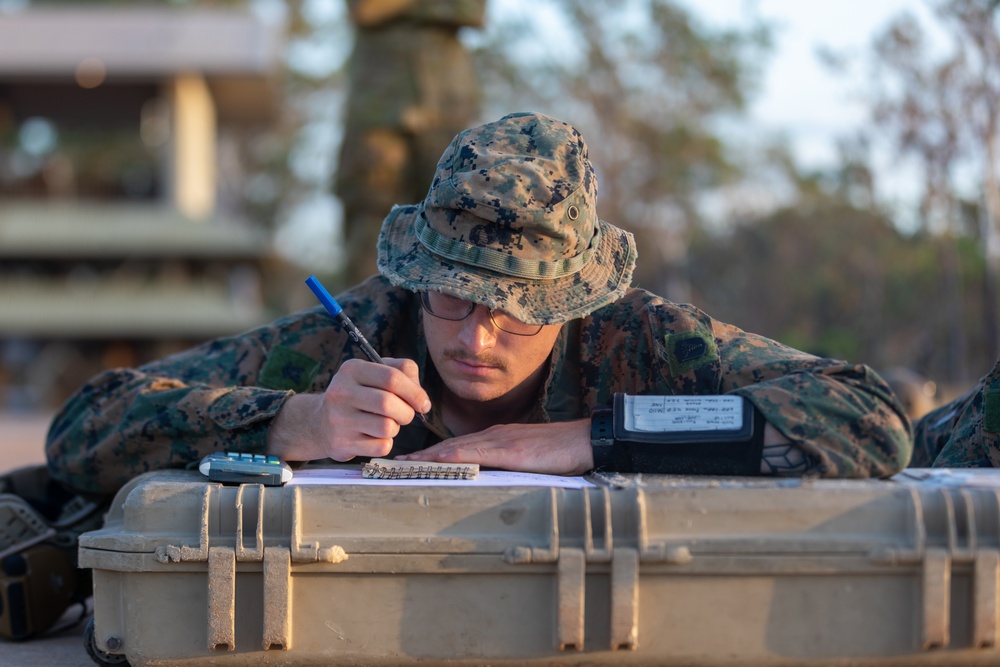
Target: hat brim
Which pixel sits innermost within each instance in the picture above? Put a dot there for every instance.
(405, 262)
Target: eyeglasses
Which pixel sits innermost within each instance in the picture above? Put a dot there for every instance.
(455, 309)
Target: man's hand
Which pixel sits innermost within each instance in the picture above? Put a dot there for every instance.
(561, 448)
(359, 414)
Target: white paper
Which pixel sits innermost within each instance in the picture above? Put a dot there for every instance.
(485, 478)
(670, 414)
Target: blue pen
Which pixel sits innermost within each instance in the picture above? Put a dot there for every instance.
(338, 314)
(345, 322)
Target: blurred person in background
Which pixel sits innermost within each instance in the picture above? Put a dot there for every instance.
(412, 88)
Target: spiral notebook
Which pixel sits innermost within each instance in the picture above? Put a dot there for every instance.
(391, 469)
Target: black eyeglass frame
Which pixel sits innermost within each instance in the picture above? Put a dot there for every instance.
(426, 305)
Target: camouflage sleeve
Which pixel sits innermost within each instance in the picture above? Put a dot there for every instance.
(170, 413)
(843, 416)
(964, 433)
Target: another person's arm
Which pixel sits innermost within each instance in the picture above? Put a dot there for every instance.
(964, 433)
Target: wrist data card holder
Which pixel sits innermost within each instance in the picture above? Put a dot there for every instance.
(716, 434)
(240, 468)
(682, 418)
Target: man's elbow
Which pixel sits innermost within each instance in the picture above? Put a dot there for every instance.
(885, 444)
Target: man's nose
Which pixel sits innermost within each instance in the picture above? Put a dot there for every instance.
(478, 330)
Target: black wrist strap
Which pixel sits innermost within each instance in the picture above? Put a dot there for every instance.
(602, 437)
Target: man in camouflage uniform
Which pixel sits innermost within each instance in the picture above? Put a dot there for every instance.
(412, 88)
(504, 312)
(964, 433)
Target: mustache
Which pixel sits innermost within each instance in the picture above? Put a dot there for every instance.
(483, 359)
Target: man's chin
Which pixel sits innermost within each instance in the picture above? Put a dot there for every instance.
(481, 392)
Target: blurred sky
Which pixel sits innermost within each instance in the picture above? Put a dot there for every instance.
(805, 100)
(801, 97)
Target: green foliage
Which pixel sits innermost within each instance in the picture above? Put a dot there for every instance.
(840, 281)
(934, 100)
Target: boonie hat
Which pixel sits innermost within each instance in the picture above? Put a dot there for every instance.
(510, 221)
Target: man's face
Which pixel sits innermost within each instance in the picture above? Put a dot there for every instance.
(478, 361)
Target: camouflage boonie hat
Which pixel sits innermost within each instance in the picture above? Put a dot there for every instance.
(510, 221)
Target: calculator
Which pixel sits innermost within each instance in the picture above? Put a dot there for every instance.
(240, 468)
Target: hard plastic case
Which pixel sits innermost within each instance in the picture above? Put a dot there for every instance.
(638, 570)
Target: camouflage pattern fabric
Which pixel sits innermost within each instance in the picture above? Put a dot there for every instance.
(510, 221)
(412, 88)
(964, 433)
(224, 394)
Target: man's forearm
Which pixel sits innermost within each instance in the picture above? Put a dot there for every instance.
(781, 457)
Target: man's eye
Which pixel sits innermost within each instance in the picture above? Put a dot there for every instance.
(451, 302)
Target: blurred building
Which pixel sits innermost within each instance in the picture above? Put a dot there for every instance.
(122, 233)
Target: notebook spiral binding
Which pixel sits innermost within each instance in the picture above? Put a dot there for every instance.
(390, 469)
